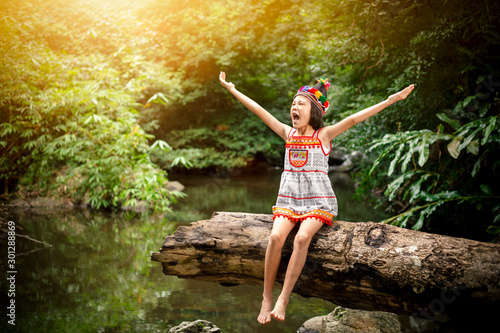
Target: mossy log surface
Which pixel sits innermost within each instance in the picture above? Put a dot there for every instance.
(362, 265)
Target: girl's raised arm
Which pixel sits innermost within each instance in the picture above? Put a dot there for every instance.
(332, 131)
(273, 123)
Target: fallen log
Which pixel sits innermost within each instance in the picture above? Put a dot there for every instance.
(366, 265)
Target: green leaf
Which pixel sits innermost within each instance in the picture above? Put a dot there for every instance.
(394, 186)
(465, 50)
(463, 104)
(380, 158)
(162, 145)
(488, 130)
(8, 129)
(468, 140)
(493, 230)
(420, 222)
(29, 145)
(183, 161)
(426, 212)
(473, 147)
(415, 188)
(423, 149)
(453, 147)
(158, 98)
(477, 166)
(37, 64)
(445, 195)
(452, 122)
(486, 189)
(395, 159)
(408, 155)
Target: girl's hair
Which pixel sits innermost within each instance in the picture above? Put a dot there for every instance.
(316, 119)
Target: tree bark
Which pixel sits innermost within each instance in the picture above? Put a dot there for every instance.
(363, 265)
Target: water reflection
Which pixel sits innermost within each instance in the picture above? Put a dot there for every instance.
(97, 276)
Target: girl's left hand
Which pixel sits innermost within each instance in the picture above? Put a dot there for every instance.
(401, 95)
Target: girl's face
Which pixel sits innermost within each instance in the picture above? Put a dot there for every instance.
(300, 112)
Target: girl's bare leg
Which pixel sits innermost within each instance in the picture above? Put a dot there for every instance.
(301, 243)
(281, 229)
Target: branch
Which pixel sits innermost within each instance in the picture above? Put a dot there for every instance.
(372, 66)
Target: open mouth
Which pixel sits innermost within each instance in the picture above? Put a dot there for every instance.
(295, 116)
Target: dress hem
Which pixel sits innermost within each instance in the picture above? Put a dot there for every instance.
(318, 214)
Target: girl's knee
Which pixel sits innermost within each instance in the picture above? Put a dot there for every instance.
(275, 239)
(302, 240)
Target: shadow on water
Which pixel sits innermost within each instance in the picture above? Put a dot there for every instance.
(97, 276)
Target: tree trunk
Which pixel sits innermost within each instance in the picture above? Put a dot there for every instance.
(364, 265)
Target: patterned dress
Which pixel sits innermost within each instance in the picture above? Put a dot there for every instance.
(305, 189)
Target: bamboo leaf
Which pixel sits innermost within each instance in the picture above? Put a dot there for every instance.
(158, 98)
(181, 160)
(162, 145)
(8, 129)
(29, 145)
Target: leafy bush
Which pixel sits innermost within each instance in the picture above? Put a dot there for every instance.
(70, 122)
(461, 172)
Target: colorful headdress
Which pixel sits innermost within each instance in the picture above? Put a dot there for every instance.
(316, 94)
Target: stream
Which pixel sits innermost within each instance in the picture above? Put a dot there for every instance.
(97, 276)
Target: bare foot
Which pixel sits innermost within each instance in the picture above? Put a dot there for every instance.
(279, 310)
(265, 311)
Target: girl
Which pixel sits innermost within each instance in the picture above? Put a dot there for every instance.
(305, 195)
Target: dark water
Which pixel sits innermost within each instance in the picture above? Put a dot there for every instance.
(97, 275)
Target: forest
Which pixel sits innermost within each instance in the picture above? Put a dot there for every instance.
(100, 100)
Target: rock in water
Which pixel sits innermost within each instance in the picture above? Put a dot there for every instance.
(198, 326)
(349, 320)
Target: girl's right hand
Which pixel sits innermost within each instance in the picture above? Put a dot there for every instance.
(222, 78)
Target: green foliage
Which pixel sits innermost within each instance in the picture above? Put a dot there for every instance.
(226, 146)
(116, 77)
(429, 183)
(71, 122)
(251, 41)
